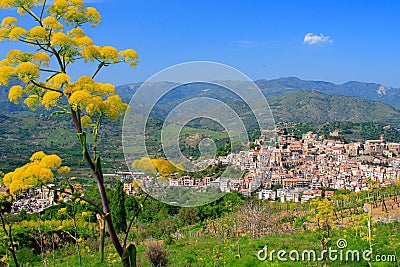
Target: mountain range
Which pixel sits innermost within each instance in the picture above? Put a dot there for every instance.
(290, 99)
(293, 99)
(368, 91)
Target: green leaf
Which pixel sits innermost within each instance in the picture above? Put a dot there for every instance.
(61, 112)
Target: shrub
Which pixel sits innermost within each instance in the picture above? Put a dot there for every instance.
(156, 254)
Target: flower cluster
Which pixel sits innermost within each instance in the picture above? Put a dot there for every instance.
(59, 36)
(37, 172)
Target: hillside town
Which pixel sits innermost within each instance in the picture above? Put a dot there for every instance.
(300, 167)
(290, 168)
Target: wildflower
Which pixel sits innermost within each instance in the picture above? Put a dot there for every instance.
(37, 33)
(16, 33)
(64, 170)
(61, 39)
(86, 121)
(50, 99)
(52, 23)
(38, 156)
(93, 16)
(27, 71)
(5, 74)
(60, 79)
(62, 211)
(79, 98)
(15, 93)
(91, 53)
(109, 54)
(129, 55)
(51, 161)
(41, 58)
(9, 21)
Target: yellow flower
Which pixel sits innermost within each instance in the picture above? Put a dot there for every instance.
(106, 88)
(13, 56)
(37, 172)
(16, 33)
(62, 211)
(64, 170)
(61, 39)
(52, 23)
(38, 156)
(83, 41)
(93, 16)
(8, 21)
(15, 93)
(109, 54)
(45, 175)
(91, 53)
(86, 121)
(76, 32)
(114, 107)
(32, 101)
(78, 3)
(58, 8)
(95, 105)
(41, 58)
(27, 71)
(5, 74)
(60, 79)
(37, 33)
(50, 99)
(79, 98)
(130, 56)
(51, 161)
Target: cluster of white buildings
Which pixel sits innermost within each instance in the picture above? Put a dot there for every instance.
(287, 168)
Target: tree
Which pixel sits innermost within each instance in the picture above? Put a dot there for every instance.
(58, 43)
(118, 208)
(188, 216)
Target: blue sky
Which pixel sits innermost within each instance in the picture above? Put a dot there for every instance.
(264, 39)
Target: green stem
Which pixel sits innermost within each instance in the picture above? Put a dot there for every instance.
(9, 236)
(96, 135)
(101, 65)
(42, 12)
(132, 219)
(95, 166)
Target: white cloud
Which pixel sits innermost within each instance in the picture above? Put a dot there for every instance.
(314, 39)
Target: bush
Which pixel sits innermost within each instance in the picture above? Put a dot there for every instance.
(156, 254)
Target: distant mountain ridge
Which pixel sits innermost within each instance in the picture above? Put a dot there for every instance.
(368, 91)
(316, 107)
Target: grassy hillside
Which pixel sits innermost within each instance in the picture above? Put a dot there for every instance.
(315, 107)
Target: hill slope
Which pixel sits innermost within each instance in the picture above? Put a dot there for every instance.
(315, 107)
(368, 91)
